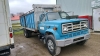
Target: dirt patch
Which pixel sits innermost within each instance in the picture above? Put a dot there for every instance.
(34, 47)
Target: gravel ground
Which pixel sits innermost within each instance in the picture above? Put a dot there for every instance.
(34, 47)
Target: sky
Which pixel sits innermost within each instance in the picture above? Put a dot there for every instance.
(17, 6)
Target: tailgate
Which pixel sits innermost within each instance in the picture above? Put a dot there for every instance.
(4, 23)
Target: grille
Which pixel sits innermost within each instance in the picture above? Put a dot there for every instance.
(74, 26)
(77, 33)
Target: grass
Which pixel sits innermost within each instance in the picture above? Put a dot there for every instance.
(17, 26)
(18, 33)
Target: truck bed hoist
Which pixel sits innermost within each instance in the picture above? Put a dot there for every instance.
(54, 27)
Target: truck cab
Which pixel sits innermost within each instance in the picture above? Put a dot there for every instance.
(51, 18)
(55, 27)
(62, 29)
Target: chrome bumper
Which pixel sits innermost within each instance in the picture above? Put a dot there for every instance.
(7, 47)
(4, 47)
(66, 42)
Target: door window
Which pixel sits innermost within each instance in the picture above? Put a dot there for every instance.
(43, 18)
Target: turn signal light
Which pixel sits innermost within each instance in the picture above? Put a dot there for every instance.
(54, 28)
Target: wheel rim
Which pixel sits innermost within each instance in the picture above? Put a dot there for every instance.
(50, 45)
(25, 33)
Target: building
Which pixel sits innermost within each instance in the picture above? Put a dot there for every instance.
(78, 7)
(15, 19)
(83, 8)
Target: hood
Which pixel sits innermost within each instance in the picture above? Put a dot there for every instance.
(65, 20)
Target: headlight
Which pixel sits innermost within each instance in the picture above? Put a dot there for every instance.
(85, 25)
(65, 28)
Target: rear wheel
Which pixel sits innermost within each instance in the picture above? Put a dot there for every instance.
(51, 45)
(81, 43)
(27, 33)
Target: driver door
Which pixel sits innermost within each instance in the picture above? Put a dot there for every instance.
(42, 26)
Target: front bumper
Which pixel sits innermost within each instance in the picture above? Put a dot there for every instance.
(66, 42)
(4, 47)
(7, 47)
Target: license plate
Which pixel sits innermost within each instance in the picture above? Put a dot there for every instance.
(78, 39)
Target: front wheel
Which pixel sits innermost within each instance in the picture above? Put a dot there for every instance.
(51, 45)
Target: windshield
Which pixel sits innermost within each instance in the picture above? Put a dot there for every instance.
(57, 15)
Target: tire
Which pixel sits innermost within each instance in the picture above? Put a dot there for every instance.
(51, 46)
(58, 50)
(27, 33)
(81, 43)
(44, 41)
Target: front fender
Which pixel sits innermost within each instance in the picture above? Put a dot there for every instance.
(55, 33)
